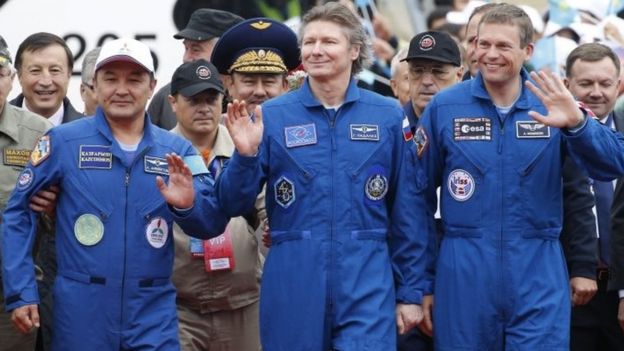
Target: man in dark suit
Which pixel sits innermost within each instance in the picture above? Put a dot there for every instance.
(592, 72)
(44, 65)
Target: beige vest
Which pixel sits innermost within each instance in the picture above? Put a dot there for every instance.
(221, 290)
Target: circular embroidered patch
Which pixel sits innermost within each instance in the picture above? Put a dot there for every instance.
(88, 229)
(156, 232)
(203, 72)
(25, 179)
(461, 185)
(376, 187)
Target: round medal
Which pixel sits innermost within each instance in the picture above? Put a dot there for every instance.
(88, 229)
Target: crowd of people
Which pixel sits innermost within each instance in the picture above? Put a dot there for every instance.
(332, 178)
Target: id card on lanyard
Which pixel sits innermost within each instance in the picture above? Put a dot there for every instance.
(219, 253)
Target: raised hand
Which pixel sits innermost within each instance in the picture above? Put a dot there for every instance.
(246, 131)
(179, 192)
(563, 111)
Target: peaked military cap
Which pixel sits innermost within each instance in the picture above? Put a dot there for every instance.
(257, 45)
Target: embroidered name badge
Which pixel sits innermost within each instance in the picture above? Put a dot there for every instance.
(479, 128)
(157, 165)
(16, 157)
(41, 151)
(95, 157)
(364, 132)
(461, 185)
(284, 190)
(300, 135)
(532, 130)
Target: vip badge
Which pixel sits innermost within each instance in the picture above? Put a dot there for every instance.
(461, 185)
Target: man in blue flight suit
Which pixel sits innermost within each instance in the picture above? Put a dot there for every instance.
(500, 276)
(115, 252)
(346, 261)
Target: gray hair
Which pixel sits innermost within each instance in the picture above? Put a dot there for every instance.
(341, 15)
(396, 60)
(88, 66)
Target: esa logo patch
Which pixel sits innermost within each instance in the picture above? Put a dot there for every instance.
(472, 128)
(461, 185)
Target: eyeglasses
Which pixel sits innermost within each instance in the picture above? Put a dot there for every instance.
(436, 72)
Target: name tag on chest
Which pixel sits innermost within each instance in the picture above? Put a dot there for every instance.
(532, 130)
(95, 157)
(368, 132)
(16, 157)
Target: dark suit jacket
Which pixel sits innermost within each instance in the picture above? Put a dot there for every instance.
(616, 281)
(578, 234)
(69, 113)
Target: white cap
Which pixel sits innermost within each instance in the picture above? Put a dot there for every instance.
(462, 17)
(125, 49)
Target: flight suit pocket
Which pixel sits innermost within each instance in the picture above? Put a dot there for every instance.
(462, 193)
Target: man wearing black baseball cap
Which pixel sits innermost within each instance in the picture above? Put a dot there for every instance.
(199, 37)
(434, 63)
(217, 280)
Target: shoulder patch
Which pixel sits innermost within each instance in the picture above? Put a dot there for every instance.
(407, 129)
(421, 140)
(42, 150)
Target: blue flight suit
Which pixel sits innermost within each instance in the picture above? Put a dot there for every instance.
(342, 205)
(114, 234)
(500, 279)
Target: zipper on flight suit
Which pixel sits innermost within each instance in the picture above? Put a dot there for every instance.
(332, 122)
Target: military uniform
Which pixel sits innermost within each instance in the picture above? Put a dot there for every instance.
(19, 131)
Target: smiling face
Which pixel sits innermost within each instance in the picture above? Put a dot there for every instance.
(44, 76)
(326, 52)
(499, 53)
(595, 83)
(255, 88)
(122, 89)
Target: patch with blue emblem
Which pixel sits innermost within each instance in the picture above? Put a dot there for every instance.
(376, 186)
(532, 130)
(157, 165)
(301, 135)
(95, 157)
(461, 185)
(284, 190)
(25, 179)
(368, 132)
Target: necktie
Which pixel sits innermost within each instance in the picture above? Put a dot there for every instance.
(603, 192)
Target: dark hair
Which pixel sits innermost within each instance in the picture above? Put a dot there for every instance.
(437, 13)
(591, 52)
(511, 14)
(341, 15)
(40, 41)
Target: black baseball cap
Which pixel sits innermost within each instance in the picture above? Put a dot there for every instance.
(436, 46)
(206, 24)
(5, 55)
(192, 78)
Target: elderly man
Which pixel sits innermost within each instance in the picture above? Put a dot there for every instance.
(199, 38)
(19, 131)
(218, 303)
(87, 91)
(113, 289)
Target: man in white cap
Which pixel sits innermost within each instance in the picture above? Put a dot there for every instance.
(113, 289)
